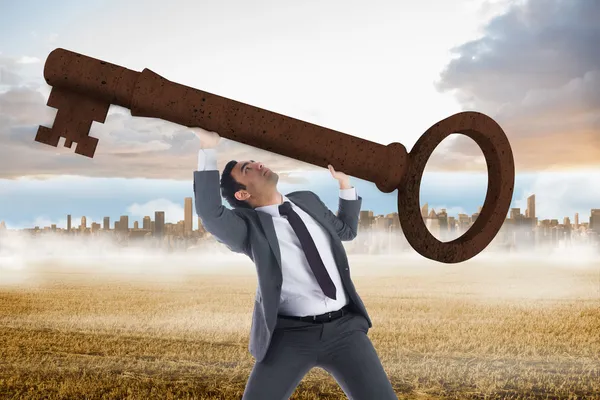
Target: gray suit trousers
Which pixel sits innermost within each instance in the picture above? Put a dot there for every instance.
(340, 347)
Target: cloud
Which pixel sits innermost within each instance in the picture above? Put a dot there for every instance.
(28, 60)
(44, 221)
(536, 71)
(128, 147)
(450, 210)
(561, 194)
(9, 71)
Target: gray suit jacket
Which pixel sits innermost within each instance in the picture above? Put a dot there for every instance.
(252, 233)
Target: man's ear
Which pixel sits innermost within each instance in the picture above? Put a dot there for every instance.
(241, 195)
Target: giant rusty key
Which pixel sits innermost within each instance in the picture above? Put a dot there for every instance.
(83, 88)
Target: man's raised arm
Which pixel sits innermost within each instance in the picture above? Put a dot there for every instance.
(224, 224)
(345, 222)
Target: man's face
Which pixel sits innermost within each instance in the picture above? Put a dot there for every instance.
(258, 179)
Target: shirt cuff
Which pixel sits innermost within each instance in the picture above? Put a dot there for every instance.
(207, 159)
(348, 194)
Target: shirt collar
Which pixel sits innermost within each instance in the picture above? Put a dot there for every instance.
(273, 209)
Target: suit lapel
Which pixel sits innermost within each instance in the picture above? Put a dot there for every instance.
(266, 221)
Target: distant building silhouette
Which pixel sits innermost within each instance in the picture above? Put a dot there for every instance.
(159, 224)
(124, 224)
(595, 220)
(530, 211)
(187, 217)
(147, 223)
(425, 210)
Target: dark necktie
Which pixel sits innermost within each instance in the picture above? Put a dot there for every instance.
(310, 250)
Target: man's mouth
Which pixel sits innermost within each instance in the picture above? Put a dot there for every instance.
(266, 171)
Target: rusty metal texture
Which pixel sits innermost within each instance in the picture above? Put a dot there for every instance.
(83, 88)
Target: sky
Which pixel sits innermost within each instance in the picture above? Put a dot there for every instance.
(384, 71)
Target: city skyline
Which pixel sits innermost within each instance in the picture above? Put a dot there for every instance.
(456, 194)
(380, 233)
(186, 225)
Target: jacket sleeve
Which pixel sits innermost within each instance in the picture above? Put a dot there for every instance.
(226, 225)
(345, 223)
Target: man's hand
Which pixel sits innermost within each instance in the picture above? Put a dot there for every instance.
(208, 140)
(341, 177)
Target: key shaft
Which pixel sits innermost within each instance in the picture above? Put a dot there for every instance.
(147, 94)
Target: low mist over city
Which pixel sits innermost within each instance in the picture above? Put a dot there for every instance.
(155, 242)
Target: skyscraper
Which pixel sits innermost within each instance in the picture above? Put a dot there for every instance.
(463, 222)
(451, 224)
(187, 217)
(106, 224)
(124, 223)
(443, 218)
(433, 224)
(69, 222)
(365, 220)
(530, 212)
(146, 223)
(83, 223)
(515, 213)
(425, 210)
(159, 223)
(576, 220)
(595, 220)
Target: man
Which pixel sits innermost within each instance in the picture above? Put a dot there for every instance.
(306, 312)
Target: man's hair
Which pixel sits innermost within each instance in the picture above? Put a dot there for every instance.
(229, 186)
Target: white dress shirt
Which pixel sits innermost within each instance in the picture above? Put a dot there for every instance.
(301, 294)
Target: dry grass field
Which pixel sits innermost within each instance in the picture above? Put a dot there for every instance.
(178, 328)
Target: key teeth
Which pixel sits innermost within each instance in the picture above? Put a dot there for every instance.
(87, 147)
(46, 135)
(75, 115)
